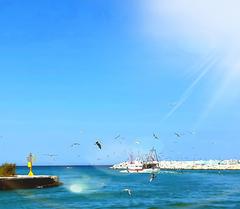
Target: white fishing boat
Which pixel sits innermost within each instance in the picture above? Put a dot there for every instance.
(149, 165)
(142, 167)
(126, 164)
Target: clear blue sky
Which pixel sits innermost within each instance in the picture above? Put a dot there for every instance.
(77, 71)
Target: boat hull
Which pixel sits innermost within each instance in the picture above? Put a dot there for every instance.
(156, 170)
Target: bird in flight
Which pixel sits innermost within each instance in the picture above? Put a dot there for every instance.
(192, 132)
(178, 134)
(51, 155)
(98, 144)
(172, 104)
(75, 144)
(128, 191)
(118, 136)
(152, 177)
(155, 136)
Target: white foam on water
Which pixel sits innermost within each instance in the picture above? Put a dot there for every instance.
(85, 185)
(76, 188)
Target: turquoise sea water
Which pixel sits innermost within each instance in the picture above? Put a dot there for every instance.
(101, 187)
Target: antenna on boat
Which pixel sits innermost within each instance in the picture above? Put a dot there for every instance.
(131, 159)
(153, 155)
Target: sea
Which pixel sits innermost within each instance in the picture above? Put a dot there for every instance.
(100, 187)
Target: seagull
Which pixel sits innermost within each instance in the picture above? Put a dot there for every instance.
(173, 104)
(177, 134)
(75, 144)
(51, 155)
(137, 142)
(155, 136)
(98, 144)
(152, 176)
(192, 132)
(118, 136)
(128, 191)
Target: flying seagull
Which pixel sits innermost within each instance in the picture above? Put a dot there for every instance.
(152, 177)
(177, 134)
(155, 136)
(192, 132)
(51, 155)
(172, 104)
(128, 191)
(75, 144)
(98, 144)
(118, 136)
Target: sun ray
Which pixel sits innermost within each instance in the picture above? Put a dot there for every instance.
(204, 68)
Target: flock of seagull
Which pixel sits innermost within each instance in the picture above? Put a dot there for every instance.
(155, 136)
(98, 144)
(152, 176)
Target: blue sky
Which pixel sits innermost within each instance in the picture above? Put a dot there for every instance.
(77, 71)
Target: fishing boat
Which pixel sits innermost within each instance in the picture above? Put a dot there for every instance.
(149, 165)
(139, 167)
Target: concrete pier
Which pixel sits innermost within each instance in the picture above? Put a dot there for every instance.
(200, 165)
(231, 164)
(28, 182)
